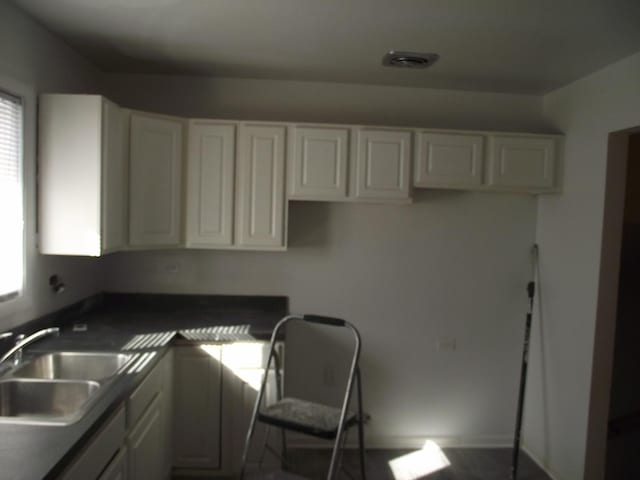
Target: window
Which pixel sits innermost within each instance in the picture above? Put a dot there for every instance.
(11, 198)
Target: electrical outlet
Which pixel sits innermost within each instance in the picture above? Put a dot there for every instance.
(446, 344)
(171, 268)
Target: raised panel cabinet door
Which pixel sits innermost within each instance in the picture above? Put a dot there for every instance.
(114, 164)
(318, 166)
(449, 160)
(145, 445)
(383, 161)
(97, 452)
(260, 194)
(197, 407)
(117, 468)
(155, 180)
(522, 162)
(210, 170)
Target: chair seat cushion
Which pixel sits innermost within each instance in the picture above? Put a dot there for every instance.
(306, 417)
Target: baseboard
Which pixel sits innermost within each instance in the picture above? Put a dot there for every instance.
(540, 463)
(404, 443)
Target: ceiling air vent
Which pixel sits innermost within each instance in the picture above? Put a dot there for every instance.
(409, 59)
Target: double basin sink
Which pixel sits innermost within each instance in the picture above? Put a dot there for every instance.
(57, 387)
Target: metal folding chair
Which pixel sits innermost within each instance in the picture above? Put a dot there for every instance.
(311, 418)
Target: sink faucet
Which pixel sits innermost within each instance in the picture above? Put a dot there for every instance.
(21, 342)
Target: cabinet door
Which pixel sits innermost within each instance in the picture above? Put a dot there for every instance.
(114, 162)
(260, 187)
(197, 407)
(449, 160)
(210, 164)
(117, 468)
(155, 179)
(522, 162)
(98, 450)
(318, 166)
(146, 445)
(245, 364)
(167, 412)
(69, 162)
(383, 161)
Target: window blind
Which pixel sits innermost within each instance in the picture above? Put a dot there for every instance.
(11, 197)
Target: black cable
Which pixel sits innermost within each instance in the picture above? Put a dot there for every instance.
(531, 291)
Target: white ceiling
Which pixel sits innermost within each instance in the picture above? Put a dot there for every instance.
(520, 46)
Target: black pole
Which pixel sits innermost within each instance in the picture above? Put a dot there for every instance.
(531, 290)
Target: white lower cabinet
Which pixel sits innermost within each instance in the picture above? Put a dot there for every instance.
(99, 450)
(134, 444)
(117, 468)
(146, 444)
(197, 407)
(215, 389)
(189, 416)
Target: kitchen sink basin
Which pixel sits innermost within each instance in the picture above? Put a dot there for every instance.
(73, 366)
(44, 401)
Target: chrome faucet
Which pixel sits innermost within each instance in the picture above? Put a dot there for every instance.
(22, 341)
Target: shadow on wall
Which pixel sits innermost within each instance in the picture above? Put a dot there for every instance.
(308, 224)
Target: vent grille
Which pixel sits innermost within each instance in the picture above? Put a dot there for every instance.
(409, 59)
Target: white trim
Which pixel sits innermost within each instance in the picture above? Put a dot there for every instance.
(540, 463)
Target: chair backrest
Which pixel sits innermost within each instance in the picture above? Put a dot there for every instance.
(319, 320)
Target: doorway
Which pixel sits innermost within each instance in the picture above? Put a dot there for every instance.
(623, 439)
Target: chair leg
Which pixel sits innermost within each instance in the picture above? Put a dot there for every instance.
(267, 430)
(361, 427)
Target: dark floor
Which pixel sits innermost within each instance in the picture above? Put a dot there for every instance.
(466, 464)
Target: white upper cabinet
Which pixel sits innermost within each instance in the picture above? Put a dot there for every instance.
(382, 167)
(210, 175)
(448, 160)
(260, 195)
(82, 165)
(318, 163)
(115, 143)
(155, 181)
(522, 162)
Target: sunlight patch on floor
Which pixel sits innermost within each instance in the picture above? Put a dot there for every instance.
(421, 463)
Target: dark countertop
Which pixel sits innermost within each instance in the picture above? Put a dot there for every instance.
(33, 452)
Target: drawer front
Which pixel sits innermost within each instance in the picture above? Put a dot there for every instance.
(100, 450)
(117, 469)
(144, 394)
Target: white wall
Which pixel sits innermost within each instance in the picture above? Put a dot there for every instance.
(33, 61)
(235, 98)
(452, 264)
(567, 388)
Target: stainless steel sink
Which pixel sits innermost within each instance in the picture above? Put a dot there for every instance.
(43, 401)
(73, 366)
(57, 387)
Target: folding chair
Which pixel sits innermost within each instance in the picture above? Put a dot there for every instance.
(302, 416)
